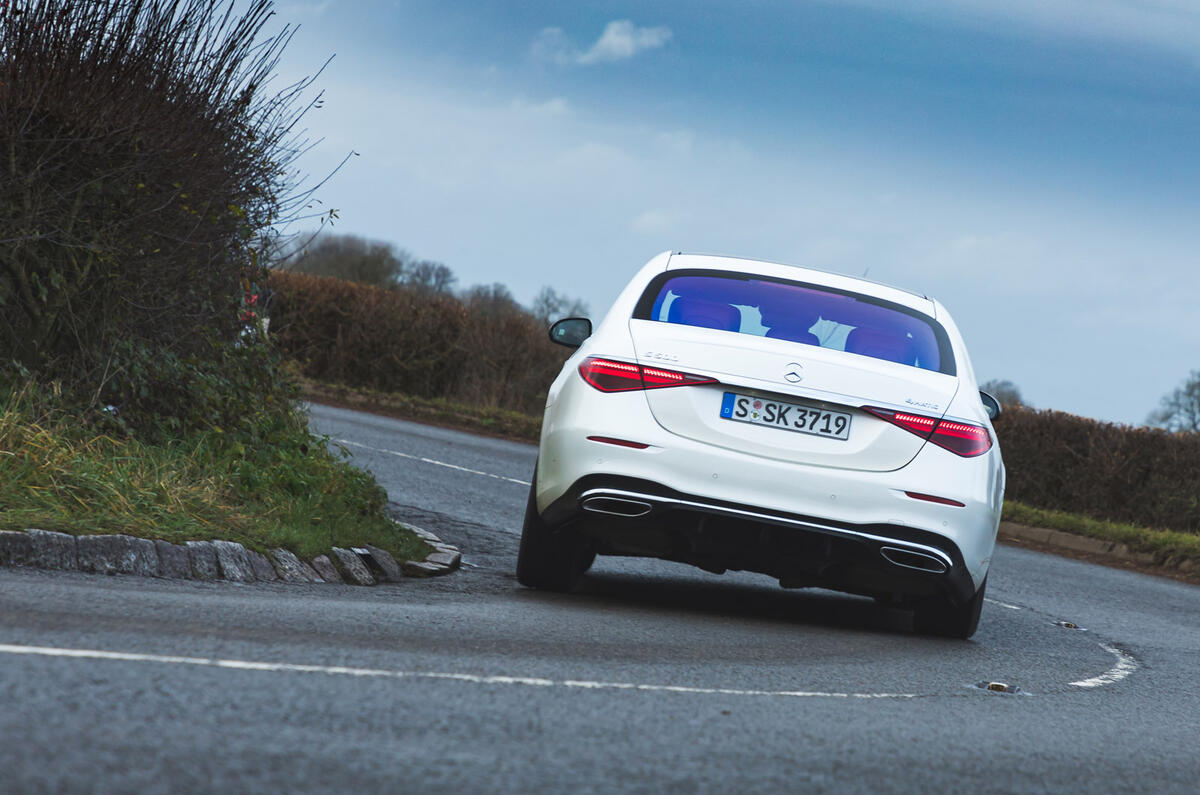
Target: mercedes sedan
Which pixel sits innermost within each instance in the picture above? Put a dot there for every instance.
(732, 414)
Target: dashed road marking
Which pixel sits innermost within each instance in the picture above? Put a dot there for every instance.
(339, 670)
(1124, 667)
(433, 461)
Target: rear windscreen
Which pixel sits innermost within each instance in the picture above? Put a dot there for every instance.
(801, 313)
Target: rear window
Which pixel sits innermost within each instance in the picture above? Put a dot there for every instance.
(805, 314)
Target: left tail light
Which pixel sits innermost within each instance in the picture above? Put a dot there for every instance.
(961, 438)
(612, 376)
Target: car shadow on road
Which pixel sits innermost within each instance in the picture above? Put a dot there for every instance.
(740, 600)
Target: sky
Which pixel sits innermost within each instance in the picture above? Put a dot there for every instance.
(1032, 164)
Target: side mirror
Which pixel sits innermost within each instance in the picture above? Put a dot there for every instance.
(571, 331)
(990, 405)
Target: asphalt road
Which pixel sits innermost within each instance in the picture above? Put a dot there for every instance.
(652, 677)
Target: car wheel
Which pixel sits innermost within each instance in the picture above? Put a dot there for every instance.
(549, 559)
(950, 620)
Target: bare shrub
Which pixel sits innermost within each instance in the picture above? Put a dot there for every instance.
(142, 162)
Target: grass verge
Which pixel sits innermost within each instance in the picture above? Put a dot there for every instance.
(276, 487)
(1169, 547)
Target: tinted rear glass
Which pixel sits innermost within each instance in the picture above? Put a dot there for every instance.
(805, 314)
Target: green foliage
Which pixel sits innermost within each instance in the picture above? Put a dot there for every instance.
(229, 388)
(271, 485)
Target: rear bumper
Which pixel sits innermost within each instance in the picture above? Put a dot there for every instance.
(633, 516)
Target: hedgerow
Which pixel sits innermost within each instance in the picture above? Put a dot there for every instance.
(484, 352)
(1143, 476)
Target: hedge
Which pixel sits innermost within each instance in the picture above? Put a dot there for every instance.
(1141, 476)
(431, 345)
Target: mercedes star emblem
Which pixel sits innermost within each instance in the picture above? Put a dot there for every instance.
(793, 373)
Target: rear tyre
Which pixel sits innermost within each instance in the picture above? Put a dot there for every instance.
(950, 620)
(548, 559)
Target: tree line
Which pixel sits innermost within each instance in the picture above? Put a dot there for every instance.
(381, 264)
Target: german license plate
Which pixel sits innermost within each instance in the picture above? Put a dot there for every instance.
(785, 416)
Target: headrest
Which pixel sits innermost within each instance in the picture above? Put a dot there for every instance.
(704, 313)
(892, 346)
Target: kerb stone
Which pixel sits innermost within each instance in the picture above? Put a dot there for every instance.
(233, 561)
(1079, 543)
(52, 550)
(291, 569)
(449, 558)
(419, 568)
(15, 548)
(117, 554)
(262, 568)
(203, 559)
(325, 568)
(383, 564)
(173, 560)
(352, 566)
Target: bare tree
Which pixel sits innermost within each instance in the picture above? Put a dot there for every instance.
(1180, 409)
(1003, 390)
(550, 305)
(427, 276)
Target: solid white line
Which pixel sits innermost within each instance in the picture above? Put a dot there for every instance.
(433, 461)
(1124, 667)
(275, 667)
(1002, 604)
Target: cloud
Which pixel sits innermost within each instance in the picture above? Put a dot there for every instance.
(620, 41)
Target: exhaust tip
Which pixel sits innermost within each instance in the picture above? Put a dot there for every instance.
(616, 506)
(908, 559)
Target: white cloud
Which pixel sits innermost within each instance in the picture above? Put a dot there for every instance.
(620, 41)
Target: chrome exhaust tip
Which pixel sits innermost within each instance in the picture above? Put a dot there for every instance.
(908, 559)
(616, 506)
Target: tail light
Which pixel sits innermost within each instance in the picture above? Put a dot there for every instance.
(610, 376)
(961, 438)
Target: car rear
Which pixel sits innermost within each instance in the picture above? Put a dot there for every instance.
(742, 415)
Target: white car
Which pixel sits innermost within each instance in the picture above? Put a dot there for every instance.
(735, 414)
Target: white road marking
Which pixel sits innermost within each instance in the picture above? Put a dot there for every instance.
(1005, 605)
(1124, 667)
(433, 461)
(337, 670)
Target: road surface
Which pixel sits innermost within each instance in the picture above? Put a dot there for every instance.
(652, 677)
